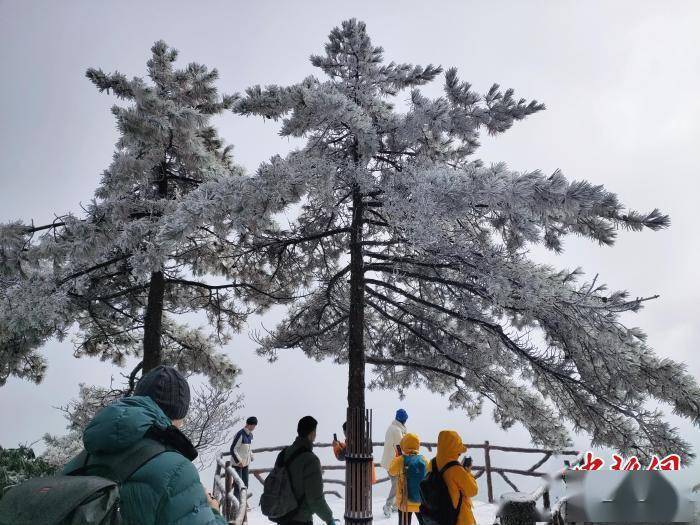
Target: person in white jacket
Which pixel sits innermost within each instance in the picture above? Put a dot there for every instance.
(242, 451)
(394, 434)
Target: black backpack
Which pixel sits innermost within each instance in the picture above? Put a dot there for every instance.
(76, 498)
(436, 504)
(278, 501)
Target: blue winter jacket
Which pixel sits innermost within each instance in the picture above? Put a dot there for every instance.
(167, 489)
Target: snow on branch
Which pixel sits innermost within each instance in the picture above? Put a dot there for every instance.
(449, 299)
(146, 248)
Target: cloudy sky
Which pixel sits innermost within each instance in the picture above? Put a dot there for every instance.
(620, 81)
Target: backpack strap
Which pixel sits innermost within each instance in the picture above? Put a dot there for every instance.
(294, 456)
(288, 461)
(118, 467)
(135, 458)
(433, 465)
(444, 469)
(77, 465)
(447, 466)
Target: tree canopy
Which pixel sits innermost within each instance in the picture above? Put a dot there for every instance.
(411, 254)
(138, 258)
(405, 251)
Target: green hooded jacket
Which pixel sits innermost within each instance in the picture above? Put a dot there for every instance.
(167, 489)
(307, 483)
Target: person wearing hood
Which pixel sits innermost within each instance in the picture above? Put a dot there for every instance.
(166, 489)
(392, 439)
(409, 469)
(460, 482)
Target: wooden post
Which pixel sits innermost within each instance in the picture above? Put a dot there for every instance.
(358, 470)
(217, 475)
(545, 499)
(487, 468)
(228, 484)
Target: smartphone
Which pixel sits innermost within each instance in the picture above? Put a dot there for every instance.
(467, 462)
(398, 450)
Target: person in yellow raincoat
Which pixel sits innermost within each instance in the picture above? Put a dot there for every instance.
(459, 480)
(410, 469)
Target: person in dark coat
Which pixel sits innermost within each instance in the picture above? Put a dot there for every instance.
(166, 489)
(306, 476)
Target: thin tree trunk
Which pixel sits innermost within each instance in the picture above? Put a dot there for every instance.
(153, 319)
(153, 323)
(356, 350)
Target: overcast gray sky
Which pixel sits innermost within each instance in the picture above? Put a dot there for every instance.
(620, 80)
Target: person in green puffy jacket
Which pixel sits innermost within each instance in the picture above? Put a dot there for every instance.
(166, 489)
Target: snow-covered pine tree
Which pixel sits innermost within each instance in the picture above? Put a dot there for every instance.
(146, 250)
(413, 256)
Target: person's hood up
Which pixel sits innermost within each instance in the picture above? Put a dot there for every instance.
(450, 447)
(410, 444)
(122, 424)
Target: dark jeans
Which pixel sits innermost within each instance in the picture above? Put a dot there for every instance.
(243, 474)
(405, 517)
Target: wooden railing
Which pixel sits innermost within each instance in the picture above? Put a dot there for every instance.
(226, 480)
(479, 470)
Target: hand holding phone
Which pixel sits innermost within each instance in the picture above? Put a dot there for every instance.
(467, 462)
(335, 438)
(399, 452)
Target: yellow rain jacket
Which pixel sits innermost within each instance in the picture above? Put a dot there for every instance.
(459, 480)
(410, 444)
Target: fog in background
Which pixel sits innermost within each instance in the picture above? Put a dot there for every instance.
(620, 81)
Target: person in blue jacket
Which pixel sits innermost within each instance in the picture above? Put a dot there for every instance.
(166, 490)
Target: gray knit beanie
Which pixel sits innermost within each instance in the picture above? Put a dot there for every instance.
(168, 388)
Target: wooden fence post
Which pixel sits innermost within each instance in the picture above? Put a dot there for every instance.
(487, 468)
(228, 484)
(217, 475)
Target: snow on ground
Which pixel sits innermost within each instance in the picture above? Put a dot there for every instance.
(484, 513)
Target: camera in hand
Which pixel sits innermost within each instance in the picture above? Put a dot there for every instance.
(467, 462)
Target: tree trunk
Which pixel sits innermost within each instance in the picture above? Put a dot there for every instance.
(356, 348)
(153, 319)
(358, 493)
(153, 323)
